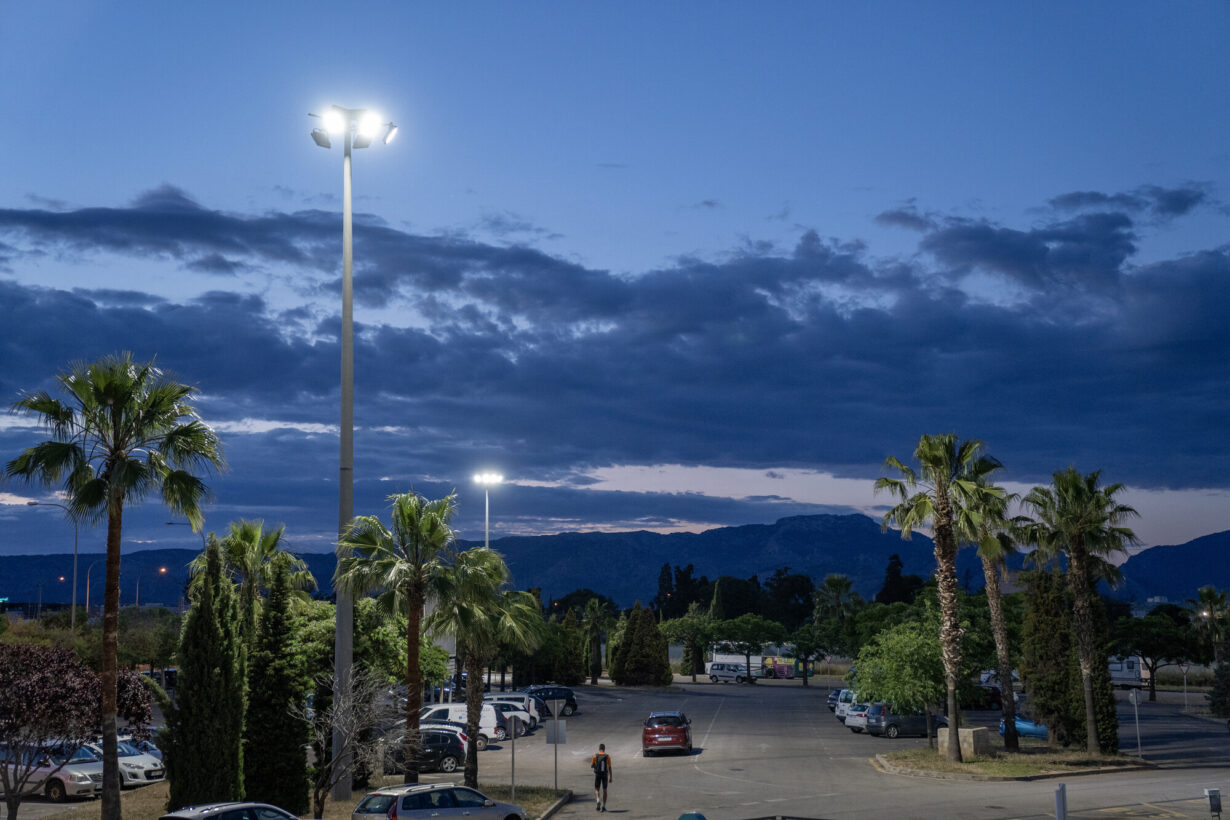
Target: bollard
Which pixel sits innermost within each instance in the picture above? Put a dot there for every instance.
(1061, 802)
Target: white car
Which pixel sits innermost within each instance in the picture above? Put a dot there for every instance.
(525, 721)
(521, 700)
(723, 672)
(844, 700)
(54, 773)
(491, 725)
(856, 717)
(136, 767)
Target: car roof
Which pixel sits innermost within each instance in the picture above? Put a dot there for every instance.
(668, 713)
(209, 808)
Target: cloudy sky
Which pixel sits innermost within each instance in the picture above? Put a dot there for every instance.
(664, 266)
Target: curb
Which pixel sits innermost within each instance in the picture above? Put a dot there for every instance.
(882, 765)
(564, 800)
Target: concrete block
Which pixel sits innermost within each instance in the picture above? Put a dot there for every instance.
(976, 741)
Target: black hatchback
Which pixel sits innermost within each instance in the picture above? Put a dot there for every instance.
(440, 752)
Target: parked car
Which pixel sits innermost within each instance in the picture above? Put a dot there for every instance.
(727, 672)
(834, 694)
(440, 750)
(512, 711)
(844, 701)
(553, 691)
(491, 724)
(437, 800)
(526, 702)
(55, 774)
(136, 767)
(856, 717)
(375, 805)
(666, 731)
(230, 811)
(883, 720)
(1026, 728)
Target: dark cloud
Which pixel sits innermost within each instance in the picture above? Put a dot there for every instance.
(815, 357)
(906, 217)
(1162, 203)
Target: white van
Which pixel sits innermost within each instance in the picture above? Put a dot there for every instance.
(723, 672)
(491, 725)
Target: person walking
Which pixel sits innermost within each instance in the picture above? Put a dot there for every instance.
(601, 764)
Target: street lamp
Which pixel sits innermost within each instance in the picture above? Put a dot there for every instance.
(137, 603)
(357, 127)
(73, 615)
(487, 479)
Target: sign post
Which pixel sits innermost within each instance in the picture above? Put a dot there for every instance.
(515, 721)
(1134, 698)
(1185, 666)
(557, 732)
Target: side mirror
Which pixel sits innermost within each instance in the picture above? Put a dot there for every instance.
(488, 803)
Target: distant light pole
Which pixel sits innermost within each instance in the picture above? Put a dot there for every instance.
(487, 480)
(73, 615)
(161, 571)
(186, 524)
(358, 127)
(87, 590)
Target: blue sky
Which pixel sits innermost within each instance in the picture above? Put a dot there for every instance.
(665, 267)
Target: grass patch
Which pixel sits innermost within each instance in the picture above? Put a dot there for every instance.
(149, 802)
(1033, 759)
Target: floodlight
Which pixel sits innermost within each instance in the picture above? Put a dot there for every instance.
(369, 124)
(361, 141)
(335, 123)
(390, 133)
(322, 137)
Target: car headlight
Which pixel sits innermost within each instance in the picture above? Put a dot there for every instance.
(134, 766)
(79, 777)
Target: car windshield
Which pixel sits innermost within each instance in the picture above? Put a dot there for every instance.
(665, 720)
(376, 804)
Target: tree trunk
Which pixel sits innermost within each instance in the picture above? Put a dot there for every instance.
(474, 710)
(950, 624)
(595, 658)
(110, 662)
(1082, 625)
(414, 681)
(999, 628)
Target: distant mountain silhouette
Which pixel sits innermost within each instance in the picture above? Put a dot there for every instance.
(625, 565)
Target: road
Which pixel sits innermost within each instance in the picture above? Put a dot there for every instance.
(774, 749)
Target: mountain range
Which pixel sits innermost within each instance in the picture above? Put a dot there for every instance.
(625, 565)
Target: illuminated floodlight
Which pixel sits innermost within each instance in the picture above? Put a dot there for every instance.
(334, 122)
(390, 133)
(487, 479)
(369, 124)
(322, 137)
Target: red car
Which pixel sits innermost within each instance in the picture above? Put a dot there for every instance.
(666, 731)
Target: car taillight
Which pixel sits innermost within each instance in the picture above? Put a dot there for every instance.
(392, 815)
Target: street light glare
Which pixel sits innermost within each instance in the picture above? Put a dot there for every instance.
(488, 478)
(369, 125)
(388, 135)
(334, 122)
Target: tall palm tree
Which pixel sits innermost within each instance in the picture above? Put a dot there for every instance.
(1082, 520)
(597, 619)
(1211, 615)
(987, 525)
(482, 617)
(952, 476)
(835, 597)
(405, 565)
(124, 430)
(251, 555)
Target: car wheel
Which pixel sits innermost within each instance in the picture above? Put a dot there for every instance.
(738, 679)
(448, 764)
(500, 734)
(713, 678)
(567, 710)
(646, 752)
(480, 742)
(688, 750)
(854, 729)
(891, 730)
(56, 792)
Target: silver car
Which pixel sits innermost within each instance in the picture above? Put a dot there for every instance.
(55, 773)
(435, 800)
(136, 767)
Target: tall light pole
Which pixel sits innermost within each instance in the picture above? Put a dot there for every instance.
(73, 615)
(87, 590)
(357, 127)
(137, 603)
(487, 480)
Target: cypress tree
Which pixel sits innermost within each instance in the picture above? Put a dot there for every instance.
(275, 763)
(1046, 646)
(717, 607)
(1219, 696)
(203, 748)
(1103, 689)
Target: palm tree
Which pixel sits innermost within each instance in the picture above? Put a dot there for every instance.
(483, 618)
(405, 565)
(597, 619)
(1081, 520)
(251, 555)
(951, 477)
(986, 525)
(835, 597)
(124, 430)
(1210, 613)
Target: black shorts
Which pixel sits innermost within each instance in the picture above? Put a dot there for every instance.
(600, 780)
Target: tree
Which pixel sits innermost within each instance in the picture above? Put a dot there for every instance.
(694, 631)
(747, 635)
(789, 598)
(1046, 644)
(275, 764)
(836, 604)
(597, 619)
(807, 644)
(203, 741)
(1080, 518)
(643, 657)
(1158, 640)
(951, 477)
(124, 430)
(902, 666)
(356, 714)
(405, 564)
(1219, 695)
(898, 587)
(1211, 617)
(251, 554)
(984, 522)
(472, 608)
